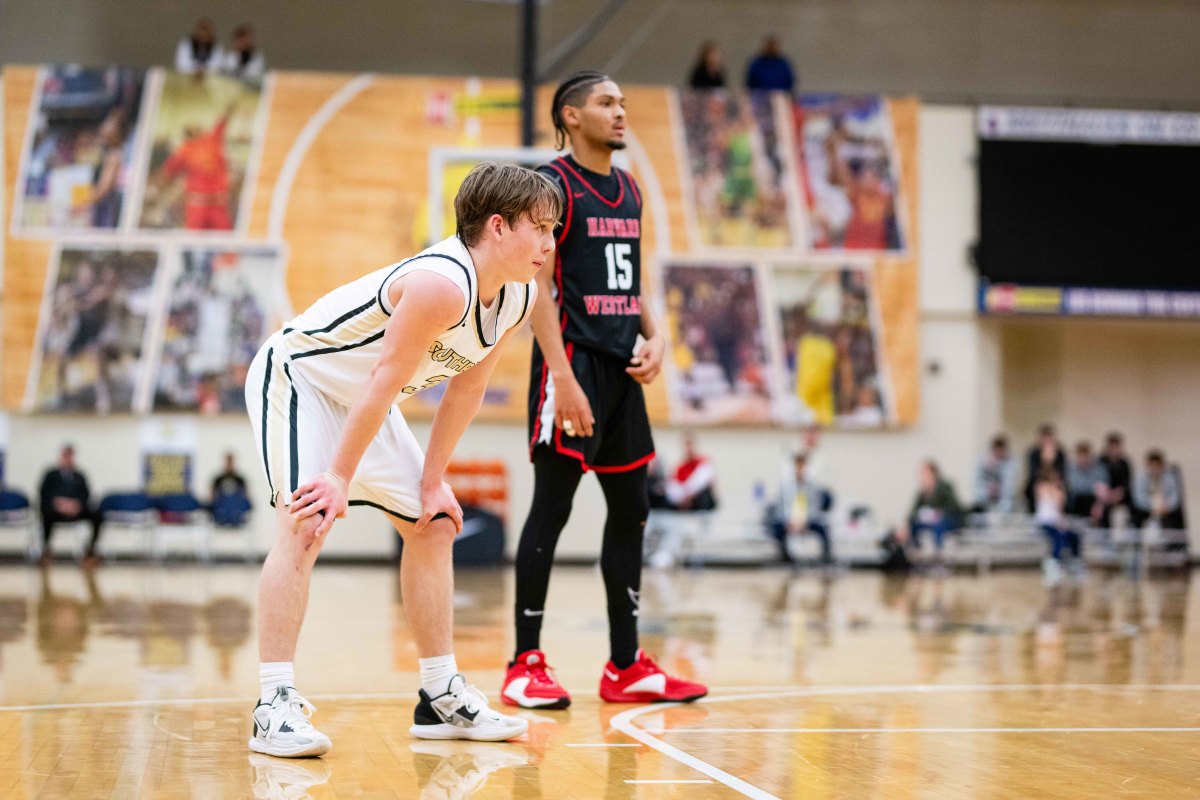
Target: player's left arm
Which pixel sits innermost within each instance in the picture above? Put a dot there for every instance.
(647, 361)
(459, 405)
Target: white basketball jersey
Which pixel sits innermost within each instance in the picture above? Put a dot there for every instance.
(337, 340)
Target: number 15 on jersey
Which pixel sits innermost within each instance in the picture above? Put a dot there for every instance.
(620, 269)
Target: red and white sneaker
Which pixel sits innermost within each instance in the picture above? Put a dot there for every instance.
(644, 682)
(530, 683)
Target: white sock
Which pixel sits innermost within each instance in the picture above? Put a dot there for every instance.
(436, 673)
(272, 675)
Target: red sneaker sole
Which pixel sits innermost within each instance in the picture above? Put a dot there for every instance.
(634, 699)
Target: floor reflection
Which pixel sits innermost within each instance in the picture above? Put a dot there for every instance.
(164, 629)
(158, 657)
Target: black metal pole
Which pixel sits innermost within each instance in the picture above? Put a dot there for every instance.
(528, 69)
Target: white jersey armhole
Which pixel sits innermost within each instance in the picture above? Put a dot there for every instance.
(529, 293)
(447, 268)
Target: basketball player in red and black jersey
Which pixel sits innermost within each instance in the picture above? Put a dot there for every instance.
(586, 407)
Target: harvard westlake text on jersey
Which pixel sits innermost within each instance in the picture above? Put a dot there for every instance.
(598, 269)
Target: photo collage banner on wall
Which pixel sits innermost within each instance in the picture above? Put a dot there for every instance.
(155, 298)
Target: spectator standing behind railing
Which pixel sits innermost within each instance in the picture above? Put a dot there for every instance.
(1046, 453)
(200, 53)
(243, 60)
(709, 70)
(1087, 484)
(996, 479)
(1156, 495)
(1120, 478)
(770, 70)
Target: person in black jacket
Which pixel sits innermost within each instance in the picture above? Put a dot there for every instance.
(709, 70)
(1120, 478)
(65, 497)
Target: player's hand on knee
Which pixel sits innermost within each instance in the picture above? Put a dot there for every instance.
(647, 363)
(324, 495)
(573, 412)
(439, 499)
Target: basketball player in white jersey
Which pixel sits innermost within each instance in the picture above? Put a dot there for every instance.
(322, 397)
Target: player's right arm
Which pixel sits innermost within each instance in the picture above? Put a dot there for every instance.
(424, 305)
(570, 402)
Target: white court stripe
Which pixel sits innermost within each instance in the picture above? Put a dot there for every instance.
(676, 731)
(666, 781)
(623, 722)
(295, 156)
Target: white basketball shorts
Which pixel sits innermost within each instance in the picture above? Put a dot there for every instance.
(297, 430)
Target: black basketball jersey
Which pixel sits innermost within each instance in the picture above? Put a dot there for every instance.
(598, 261)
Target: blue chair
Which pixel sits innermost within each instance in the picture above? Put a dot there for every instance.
(181, 515)
(15, 512)
(132, 511)
(230, 513)
(230, 510)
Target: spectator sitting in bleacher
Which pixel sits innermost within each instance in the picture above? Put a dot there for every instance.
(1087, 485)
(935, 508)
(1157, 499)
(693, 486)
(243, 60)
(66, 497)
(996, 479)
(230, 502)
(803, 508)
(1120, 478)
(1047, 453)
(200, 53)
(1050, 496)
(709, 72)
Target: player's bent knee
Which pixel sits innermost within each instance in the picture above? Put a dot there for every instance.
(438, 533)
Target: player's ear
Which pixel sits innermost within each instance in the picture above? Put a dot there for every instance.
(570, 115)
(496, 225)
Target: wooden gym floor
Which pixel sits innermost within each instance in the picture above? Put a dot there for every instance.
(138, 682)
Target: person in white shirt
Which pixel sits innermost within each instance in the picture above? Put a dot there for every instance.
(803, 508)
(200, 53)
(243, 60)
(1050, 500)
(693, 486)
(324, 398)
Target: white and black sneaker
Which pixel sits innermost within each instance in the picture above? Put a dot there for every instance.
(463, 713)
(281, 727)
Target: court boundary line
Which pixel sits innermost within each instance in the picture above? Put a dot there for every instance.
(623, 722)
(666, 731)
(761, 692)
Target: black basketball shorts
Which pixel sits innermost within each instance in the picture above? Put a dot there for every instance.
(621, 438)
